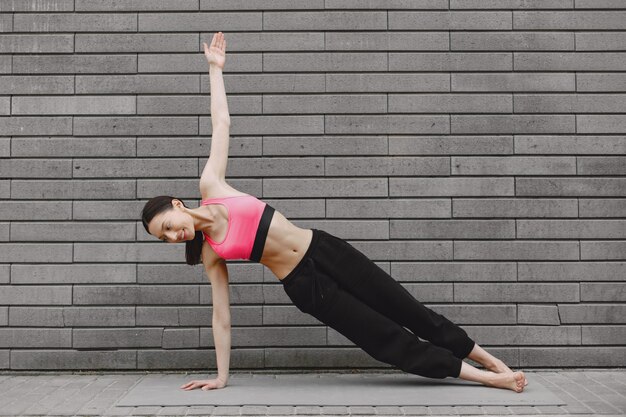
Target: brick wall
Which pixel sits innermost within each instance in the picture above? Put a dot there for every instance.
(474, 149)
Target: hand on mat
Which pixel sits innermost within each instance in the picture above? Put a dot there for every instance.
(205, 384)
(215, 54)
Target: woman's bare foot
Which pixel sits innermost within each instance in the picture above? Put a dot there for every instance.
(509, 380)
(490, 362)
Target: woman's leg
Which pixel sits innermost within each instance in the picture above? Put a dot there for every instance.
(361, 277)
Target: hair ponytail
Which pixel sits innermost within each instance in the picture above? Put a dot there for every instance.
(156, 205)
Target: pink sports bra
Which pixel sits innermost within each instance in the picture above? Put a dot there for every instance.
(244, 215)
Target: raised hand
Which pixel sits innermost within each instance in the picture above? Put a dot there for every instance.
(216, 53)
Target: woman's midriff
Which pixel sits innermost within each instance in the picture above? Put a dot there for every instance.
(285, 245)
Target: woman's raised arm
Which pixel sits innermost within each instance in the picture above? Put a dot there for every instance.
(220, 118)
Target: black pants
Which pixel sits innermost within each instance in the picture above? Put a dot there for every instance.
(337, 284)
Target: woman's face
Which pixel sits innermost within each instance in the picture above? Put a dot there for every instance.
(173, 226)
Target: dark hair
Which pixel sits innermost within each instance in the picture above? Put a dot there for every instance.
(156, 205)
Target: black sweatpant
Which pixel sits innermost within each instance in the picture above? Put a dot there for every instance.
(337, 284)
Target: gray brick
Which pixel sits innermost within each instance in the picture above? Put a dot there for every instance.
(602, 250)
(35, 338)
(601, 82)
(331, 187)
(73, 105)
(74, 64)
(135, 167)
(150, 5)
(277, 336)
(94, 126)
(592, 313)
(538, 314)
(509, 292)
(513, 82)
(72, 231)
(120, 295)
(194, 22)
(29, 168)
(4, 188)
(597, 291)
(6, 64)
(599, 41)
(612, 187)
(197, 359)
(511, 41)
(602, 207)
(365, 82)
(5, 272)
(452, 229)
(571, 20)
(75, 22)
(34, 295)
(601, 165)
(42, 210)
(6, 22)
(514, 208)
(116, 338)
(326, 20)
(569, 61)
(511, 4)
(350, 229)
(572, 356)
(139, 42)
(66, 359)
(391, 124)
(36, 43)
(324, 61)
(270, 167)
(318, 358)
(327, 104)
(36, 5)
(33, 146)
(36, 317)
(516, 249)
(603, 335)
(450, 103)
(67, 189)
(436, 145)
(180, 338)
(570, 144)
(454, 271)
(600, 123)
(569, 103)
(20, 126)
(5, 145)
(327, 145)
(518, 123)
(386, 41)
(573, 229)
(386, 208)
(100, 316)
(568, 271)
(433, 20)
(425, 187)
(35, 252)
(406, 250)
(454, 61)
(525, 335)
(136, 84)
(387, 166)
(512, 165)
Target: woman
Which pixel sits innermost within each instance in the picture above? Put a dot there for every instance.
(322, 274)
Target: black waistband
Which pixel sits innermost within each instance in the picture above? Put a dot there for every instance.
(261, 233)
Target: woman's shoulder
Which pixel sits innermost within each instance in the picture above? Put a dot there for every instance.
(218, 190)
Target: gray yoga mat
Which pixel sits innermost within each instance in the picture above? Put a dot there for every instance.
(332, 389)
